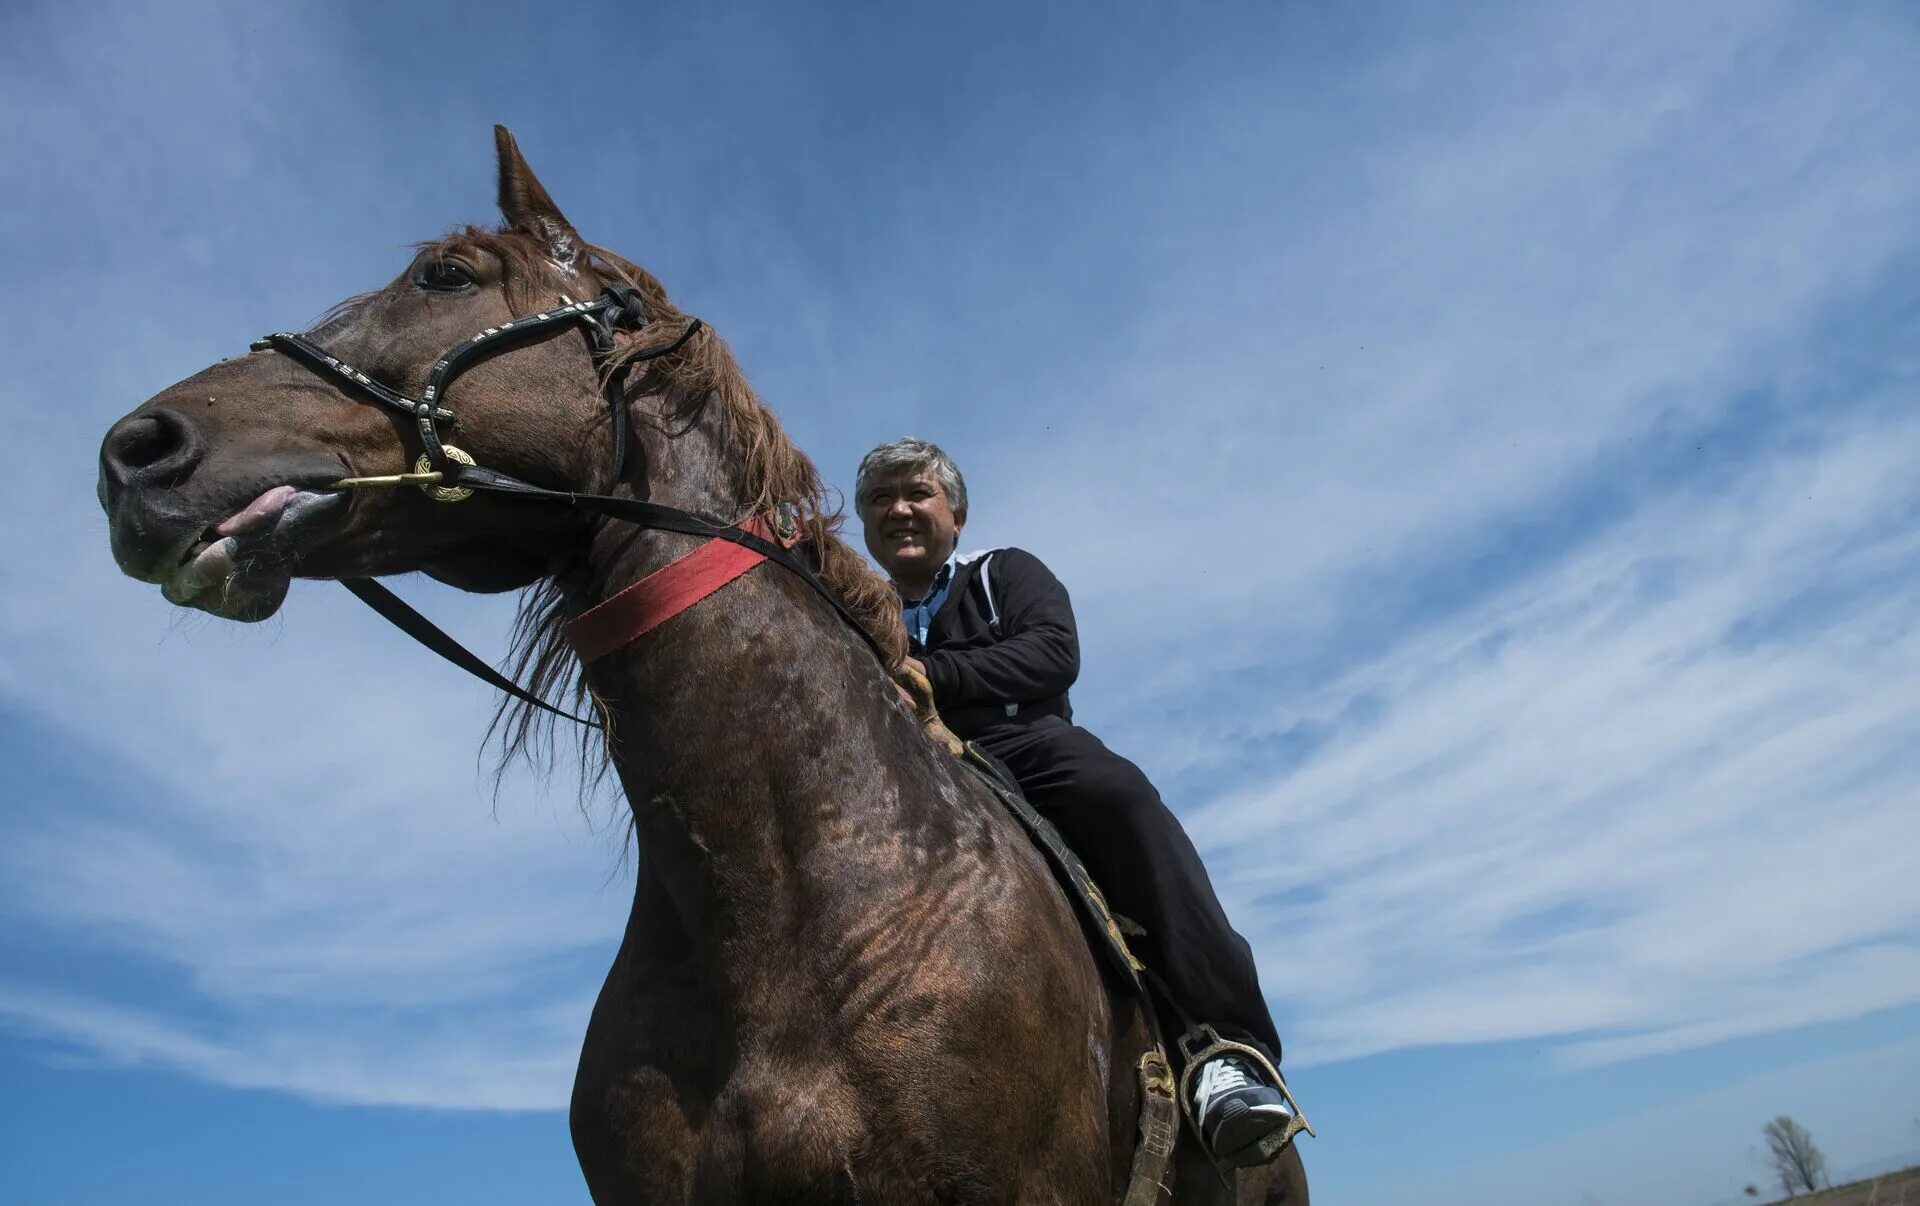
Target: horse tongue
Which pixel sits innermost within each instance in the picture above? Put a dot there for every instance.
(258, 512)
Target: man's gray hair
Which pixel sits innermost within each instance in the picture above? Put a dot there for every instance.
(913, 454)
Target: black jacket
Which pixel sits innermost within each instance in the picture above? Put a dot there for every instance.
(1002, 650)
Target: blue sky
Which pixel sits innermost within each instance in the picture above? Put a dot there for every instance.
(1480, 441)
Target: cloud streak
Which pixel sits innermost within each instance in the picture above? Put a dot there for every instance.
(1604, 801)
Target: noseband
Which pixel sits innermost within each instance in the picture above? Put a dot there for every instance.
(448, 474)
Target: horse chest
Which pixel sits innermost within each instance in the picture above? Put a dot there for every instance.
(820, 1138)
(797, 1127)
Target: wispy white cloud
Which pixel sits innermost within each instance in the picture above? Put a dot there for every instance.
(1603, 240)
(516, 1059)
(1585, 807)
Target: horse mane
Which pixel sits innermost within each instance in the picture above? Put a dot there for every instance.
(768, 469)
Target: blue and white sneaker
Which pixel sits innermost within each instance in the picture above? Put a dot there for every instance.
(1237, 1110)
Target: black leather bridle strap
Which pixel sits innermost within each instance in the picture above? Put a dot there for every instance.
(462, 356)
(311, 354)
(617, 387)
(395, 611)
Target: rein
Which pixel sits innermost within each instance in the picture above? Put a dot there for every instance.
(448, 474)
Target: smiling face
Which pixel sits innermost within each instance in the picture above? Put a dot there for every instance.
(911, 527)
(216, 488)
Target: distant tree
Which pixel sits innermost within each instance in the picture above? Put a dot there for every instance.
(1796, 1161)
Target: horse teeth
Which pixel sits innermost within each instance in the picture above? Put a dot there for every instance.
(203, 567)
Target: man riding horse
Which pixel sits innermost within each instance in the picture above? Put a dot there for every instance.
(994, 634)
(846, 976)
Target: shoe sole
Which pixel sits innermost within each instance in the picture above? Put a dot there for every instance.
(1237, 1143)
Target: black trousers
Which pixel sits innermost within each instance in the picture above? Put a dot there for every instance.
(1149, 871)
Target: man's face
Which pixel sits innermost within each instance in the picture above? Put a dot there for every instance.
(911, 528)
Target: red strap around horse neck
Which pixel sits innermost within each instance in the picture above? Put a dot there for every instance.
(639, 609)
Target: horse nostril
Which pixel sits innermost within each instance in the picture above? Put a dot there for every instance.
(144, 441)
(158, 448)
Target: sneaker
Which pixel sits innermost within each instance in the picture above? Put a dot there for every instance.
(1237, 1109)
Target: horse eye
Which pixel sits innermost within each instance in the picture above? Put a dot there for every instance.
(445, 276)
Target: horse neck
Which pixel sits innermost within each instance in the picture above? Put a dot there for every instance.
(765, 758)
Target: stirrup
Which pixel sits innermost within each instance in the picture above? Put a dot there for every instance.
(1201, 1044)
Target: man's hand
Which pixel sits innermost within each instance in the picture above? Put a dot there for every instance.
(911, 682)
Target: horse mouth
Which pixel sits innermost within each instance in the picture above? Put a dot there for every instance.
(240, 568)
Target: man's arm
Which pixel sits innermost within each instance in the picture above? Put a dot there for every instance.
(1038, 654)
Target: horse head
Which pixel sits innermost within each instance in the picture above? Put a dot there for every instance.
(222, 488)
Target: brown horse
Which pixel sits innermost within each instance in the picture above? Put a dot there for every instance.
(847, 975)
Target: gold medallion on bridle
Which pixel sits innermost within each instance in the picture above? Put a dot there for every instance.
(445, 493)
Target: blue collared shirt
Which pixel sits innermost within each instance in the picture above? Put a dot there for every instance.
(918, 613)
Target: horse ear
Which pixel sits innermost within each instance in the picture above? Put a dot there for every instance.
(525, 205)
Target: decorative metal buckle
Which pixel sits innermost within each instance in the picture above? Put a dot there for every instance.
(444, 493)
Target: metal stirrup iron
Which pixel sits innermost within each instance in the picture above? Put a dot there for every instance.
(1201, 1044)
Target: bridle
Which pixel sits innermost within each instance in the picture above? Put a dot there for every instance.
(619, 308)
(448, 474)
